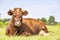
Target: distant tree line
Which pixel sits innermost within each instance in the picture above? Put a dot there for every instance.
(50, 21)
(4, 20)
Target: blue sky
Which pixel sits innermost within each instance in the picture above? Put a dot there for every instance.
(36, 8)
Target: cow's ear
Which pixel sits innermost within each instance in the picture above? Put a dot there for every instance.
(25, 12)
(10, 12)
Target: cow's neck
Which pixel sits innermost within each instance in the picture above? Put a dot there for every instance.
(21, 19)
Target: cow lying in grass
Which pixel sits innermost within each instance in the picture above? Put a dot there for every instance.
(24, 26)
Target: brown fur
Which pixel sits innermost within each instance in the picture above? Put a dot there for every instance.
(28, 27)
(34, 25)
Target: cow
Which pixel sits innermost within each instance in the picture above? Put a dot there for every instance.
(24, 26)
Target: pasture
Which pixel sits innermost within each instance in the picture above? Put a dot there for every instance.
(54, 34)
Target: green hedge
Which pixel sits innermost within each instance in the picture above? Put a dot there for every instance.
(1, 24)
(6, 23)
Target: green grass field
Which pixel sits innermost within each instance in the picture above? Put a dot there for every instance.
(54, 34)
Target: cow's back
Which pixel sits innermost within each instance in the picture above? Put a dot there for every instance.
(34, 24)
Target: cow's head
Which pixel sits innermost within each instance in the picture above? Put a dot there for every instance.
(17, 14)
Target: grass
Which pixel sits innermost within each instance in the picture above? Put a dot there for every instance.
(54, 34)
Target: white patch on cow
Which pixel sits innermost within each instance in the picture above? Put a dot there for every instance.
(12, 9)
(18, 23)
(17, 10)
(43, 27)
(23, 10)
(43, 33)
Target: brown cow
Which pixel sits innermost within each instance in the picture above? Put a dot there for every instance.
(24, 26)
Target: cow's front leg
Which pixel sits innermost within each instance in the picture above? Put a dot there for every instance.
(26, 33)
(10, 31)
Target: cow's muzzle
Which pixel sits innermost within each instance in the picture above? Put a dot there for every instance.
(18, 23)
